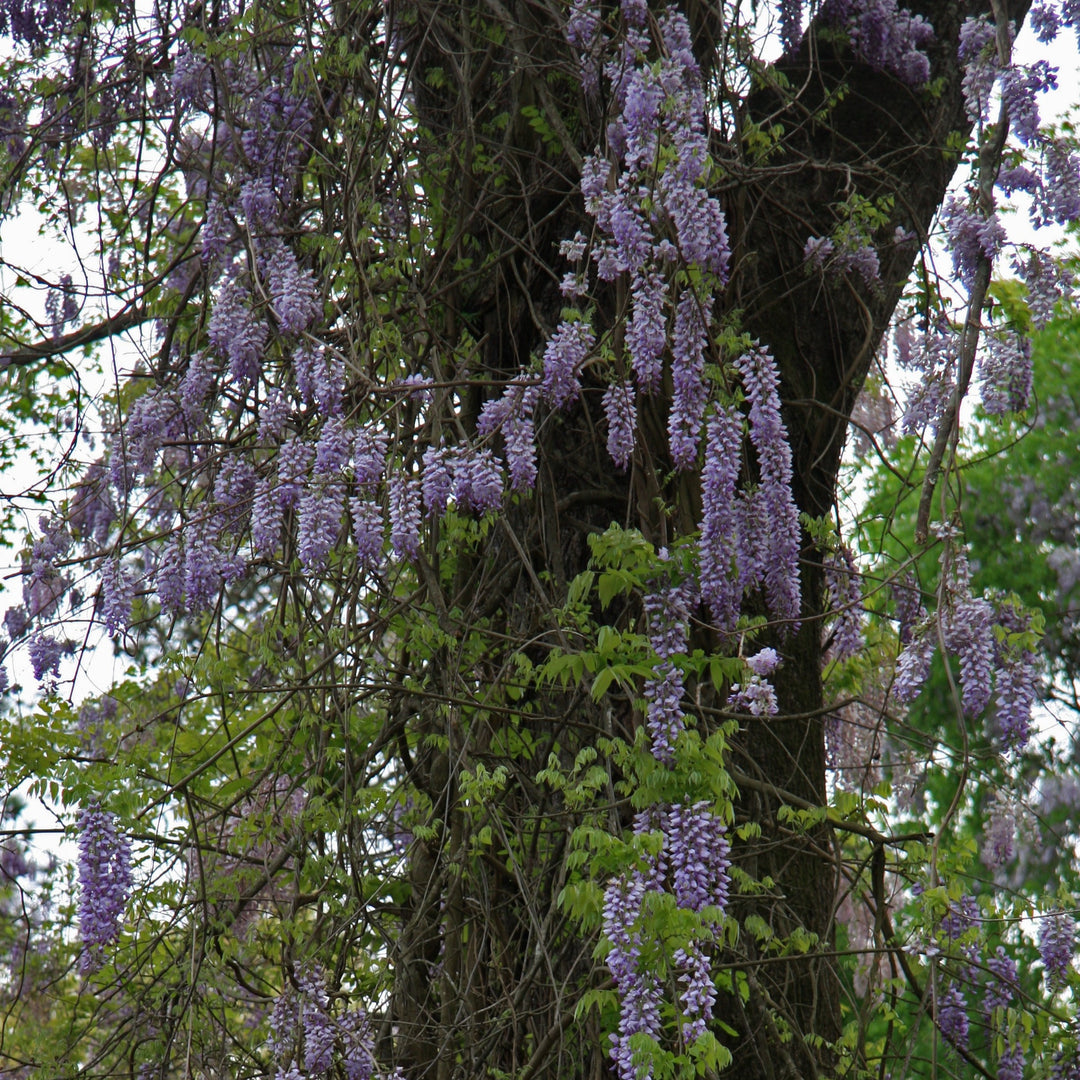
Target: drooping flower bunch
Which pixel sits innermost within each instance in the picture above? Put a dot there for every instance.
(844, 598)
(884, 35)
(304, 1028)
(1057, 945)
(994, 646)
(104, 883)
(692, 864)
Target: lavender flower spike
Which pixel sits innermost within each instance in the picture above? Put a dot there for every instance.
(104, 882)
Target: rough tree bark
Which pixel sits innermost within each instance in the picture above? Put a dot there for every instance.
(511, 971)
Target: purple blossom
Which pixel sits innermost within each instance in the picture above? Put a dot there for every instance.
(1019, 85)
(563, 357)
(909, 609)
(690, 394)
(195, 386)
(667, 609)
(885, 36)
(699, 856)
(294, 462)
(698, 995)
(293, 294)
(319, 377)
(845, 601)
(234, 488)
(818, 250)
(436, 483)
(968, 632)
(642, 98)
(1057, 940)
(621, 411)
(191, 78)
(203, 570)
(117, 595)
(717, 546)
(169, 577)
(769, 438)
(752, 538)
(978, 52)
(1045, 21)
(368, 529)
(972, 239)
(333, 448)
(519, 434)
(45, 653)
(320, 521)
(259, 204)
(266, 518)
(318, 1026)
(358, 1052)
(913, 666)
(1059, 200)
(664, 716)
(284, 1020)
(369, 457)
(91, 511)
(404, 496)
(699, 222)
(763, 662)
(574, 250)
(104, 882)
(216, 232)
(646, 332)
(961, 917)
(273, 417)
(16, 622)
(756, 696)
(638, 990)
(952, 1018)
(478, 485)
(1017, 686)
(1011, 1063)
(418, 388)
(1048, 282)
(790, 25)
(595, 172)
(1006, 371)
(237, 334)
(1002, 982)
(999, 833)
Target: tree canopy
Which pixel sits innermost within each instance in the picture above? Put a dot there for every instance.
(438, 431)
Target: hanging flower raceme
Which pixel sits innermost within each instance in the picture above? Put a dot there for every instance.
(989, 662)
(104, 882)
(693, 865)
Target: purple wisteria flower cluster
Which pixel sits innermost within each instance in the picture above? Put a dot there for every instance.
(994, 649)
(822, 253)
(305, 1030)
(649, 198)
(1057, 945)
(749, 537)
(1044, 165)
(885, 36)
(692, 863)
(693, 866)
(104, 882)
(845, 601)
(668, 614)
(36, 23)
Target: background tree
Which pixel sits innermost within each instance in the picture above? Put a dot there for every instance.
(467, 516)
